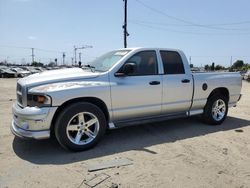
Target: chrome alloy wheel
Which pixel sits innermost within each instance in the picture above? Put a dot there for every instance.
(218, 110)
(82, 128)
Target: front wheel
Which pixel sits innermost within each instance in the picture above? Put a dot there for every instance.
(80, 126)
(215, 110)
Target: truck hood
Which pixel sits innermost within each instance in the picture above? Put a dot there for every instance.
(53, 76)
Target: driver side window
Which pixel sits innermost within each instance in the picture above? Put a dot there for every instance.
(146, 63)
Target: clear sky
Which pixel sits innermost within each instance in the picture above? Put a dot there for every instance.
(208, 31)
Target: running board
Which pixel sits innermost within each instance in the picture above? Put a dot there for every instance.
(146, 120)
(194, 112)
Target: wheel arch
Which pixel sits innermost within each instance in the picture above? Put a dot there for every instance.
(207, 113)
(220, 90)
(93, 100)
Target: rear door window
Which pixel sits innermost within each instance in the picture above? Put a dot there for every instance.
(172, 62)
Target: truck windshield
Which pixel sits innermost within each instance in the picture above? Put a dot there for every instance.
(108, 60)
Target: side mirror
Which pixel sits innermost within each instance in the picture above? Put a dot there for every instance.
(127, 69)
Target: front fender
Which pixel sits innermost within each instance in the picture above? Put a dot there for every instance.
(65, 91)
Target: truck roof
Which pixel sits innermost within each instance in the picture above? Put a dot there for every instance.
(149, 48)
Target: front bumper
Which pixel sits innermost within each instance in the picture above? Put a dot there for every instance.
(32, 122)
(29, 134)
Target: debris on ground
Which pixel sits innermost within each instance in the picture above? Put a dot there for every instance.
(239, 130)
(110, 164)
(96, 180)
(114, 185)
(225, 151)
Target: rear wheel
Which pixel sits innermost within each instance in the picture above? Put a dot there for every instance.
(80, 126)
(215, 110)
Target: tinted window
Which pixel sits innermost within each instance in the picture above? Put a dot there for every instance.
(146, 63)
(172, 62)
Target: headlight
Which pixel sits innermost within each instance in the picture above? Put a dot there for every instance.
(38, 100)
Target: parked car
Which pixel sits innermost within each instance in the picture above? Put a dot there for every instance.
(32, 70)
(20, 72)
(40, 69)
(48, 68)
(121, 88)
(247, 75)
(7, 73)
(242, 73)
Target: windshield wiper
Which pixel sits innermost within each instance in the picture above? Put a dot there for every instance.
(92, 68)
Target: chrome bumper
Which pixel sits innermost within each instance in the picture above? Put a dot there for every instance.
(29, 134)
(32, 122)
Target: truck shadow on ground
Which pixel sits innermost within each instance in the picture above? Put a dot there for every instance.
(121, 140)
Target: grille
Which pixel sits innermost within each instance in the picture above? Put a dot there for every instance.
(19, 87)
(19, 94)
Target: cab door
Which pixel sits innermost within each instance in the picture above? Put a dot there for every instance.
(177, 84)
(139, 94)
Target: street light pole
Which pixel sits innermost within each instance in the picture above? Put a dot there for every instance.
(77, 48)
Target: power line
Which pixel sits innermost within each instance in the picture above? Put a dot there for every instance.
(9, 46)
(232, 23)
(178, 25)
(180, 19)
(52, 51)
(28, 48)
(185, 32)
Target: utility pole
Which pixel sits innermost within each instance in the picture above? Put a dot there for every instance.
(72, 61)
(80, 55)
(63, 57)
(125, 32)
(231, 61)
(190, 60)
(75, 48)
(32, 55)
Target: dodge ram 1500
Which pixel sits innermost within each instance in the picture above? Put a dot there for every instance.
(123, 87)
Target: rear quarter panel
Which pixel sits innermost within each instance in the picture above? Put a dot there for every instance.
(230, 81)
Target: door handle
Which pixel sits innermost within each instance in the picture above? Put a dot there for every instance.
(185, 81)
(154, 83)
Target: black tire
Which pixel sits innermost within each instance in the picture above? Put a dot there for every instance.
(208, 110)
(66, 116)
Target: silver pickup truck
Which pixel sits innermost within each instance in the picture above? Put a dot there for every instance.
(123, 87)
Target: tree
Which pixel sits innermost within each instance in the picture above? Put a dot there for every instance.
(37, 64)
(207, 67)
(191, 65)
(246, 67)
(52, 64)
(219, 67)
(238, 64)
